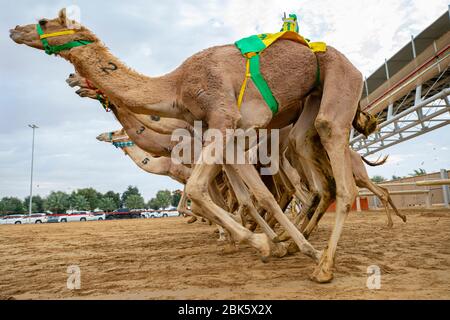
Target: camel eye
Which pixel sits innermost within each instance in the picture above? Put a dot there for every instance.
(43, 22)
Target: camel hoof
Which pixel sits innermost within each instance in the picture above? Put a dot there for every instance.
(403, 218)
(279, 250)
(321, 276)
(292, 247)
(390, 225)
(192, 220)
(262, 243)
(276, 239)
(229, 249)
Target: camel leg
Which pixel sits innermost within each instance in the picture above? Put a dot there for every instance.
(240, 190)
(244, 200)
(305, 145)
(341, 94)
(222, 236)
(383, 195)
(363, 181)
(267, 201)
(299, 160)
(197, 190)
(295, 179)
(183, 208)
(299, 177)
(398, 214)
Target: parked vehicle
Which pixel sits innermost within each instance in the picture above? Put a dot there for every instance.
(160, 214)
(170, 213)
(76, 216)
(12, 219)
(36, 218)
(123, 213)
(151, 214)
(96, 216)
(54, 218)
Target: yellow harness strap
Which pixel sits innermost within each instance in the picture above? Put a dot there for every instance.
(314, 46)
(244, 84)
(57, 34)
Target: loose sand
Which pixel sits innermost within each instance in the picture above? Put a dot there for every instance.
(169, 259)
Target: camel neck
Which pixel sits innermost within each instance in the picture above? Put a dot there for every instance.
(122, 85)
(159, 166)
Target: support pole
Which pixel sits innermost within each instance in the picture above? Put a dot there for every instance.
(358, 204)
(30, 209)
(445, 189)
(428, 200)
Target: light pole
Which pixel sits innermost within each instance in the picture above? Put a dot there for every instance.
(32, 126)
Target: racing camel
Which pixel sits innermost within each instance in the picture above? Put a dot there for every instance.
(205, 87)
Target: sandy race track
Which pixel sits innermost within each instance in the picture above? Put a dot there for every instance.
(168, 259)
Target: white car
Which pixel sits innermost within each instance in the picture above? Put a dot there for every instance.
(96, 216)
(159, 214)
(171, 213)
(81, 216)
(150, 214)
(35, 218)
(13, 219)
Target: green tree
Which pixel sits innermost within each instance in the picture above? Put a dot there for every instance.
(114, 196)
(176, 197)
(11, 205)
(378, 179)
(79, 202)
(57, 202)
(394, 177)
(92, 196)
(134, 202)
(418, 172)
(107, 204)
(38, 204)
(153, 204)
(164, 198)
(129, 192)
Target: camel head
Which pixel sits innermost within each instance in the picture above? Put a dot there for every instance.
(365, 123)
(48, 34)
(118, 138)
(86, 88)
(115, 136)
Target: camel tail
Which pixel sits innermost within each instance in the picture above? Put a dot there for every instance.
(375, 163)
(364, 122)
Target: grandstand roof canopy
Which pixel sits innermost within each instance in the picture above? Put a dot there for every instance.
(405, 55)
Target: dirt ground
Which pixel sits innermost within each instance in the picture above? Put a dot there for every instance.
(169, 259)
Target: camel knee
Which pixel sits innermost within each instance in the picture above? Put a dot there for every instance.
(347, 196)
(265, 198)
(329, 132)
(196, 190)
(324, 127)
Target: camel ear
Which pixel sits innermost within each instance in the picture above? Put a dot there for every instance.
(62, 16)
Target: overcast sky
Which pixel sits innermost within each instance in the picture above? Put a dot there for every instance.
(154, 37)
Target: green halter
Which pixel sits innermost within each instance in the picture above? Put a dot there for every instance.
(123, 144)
(56, 49)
